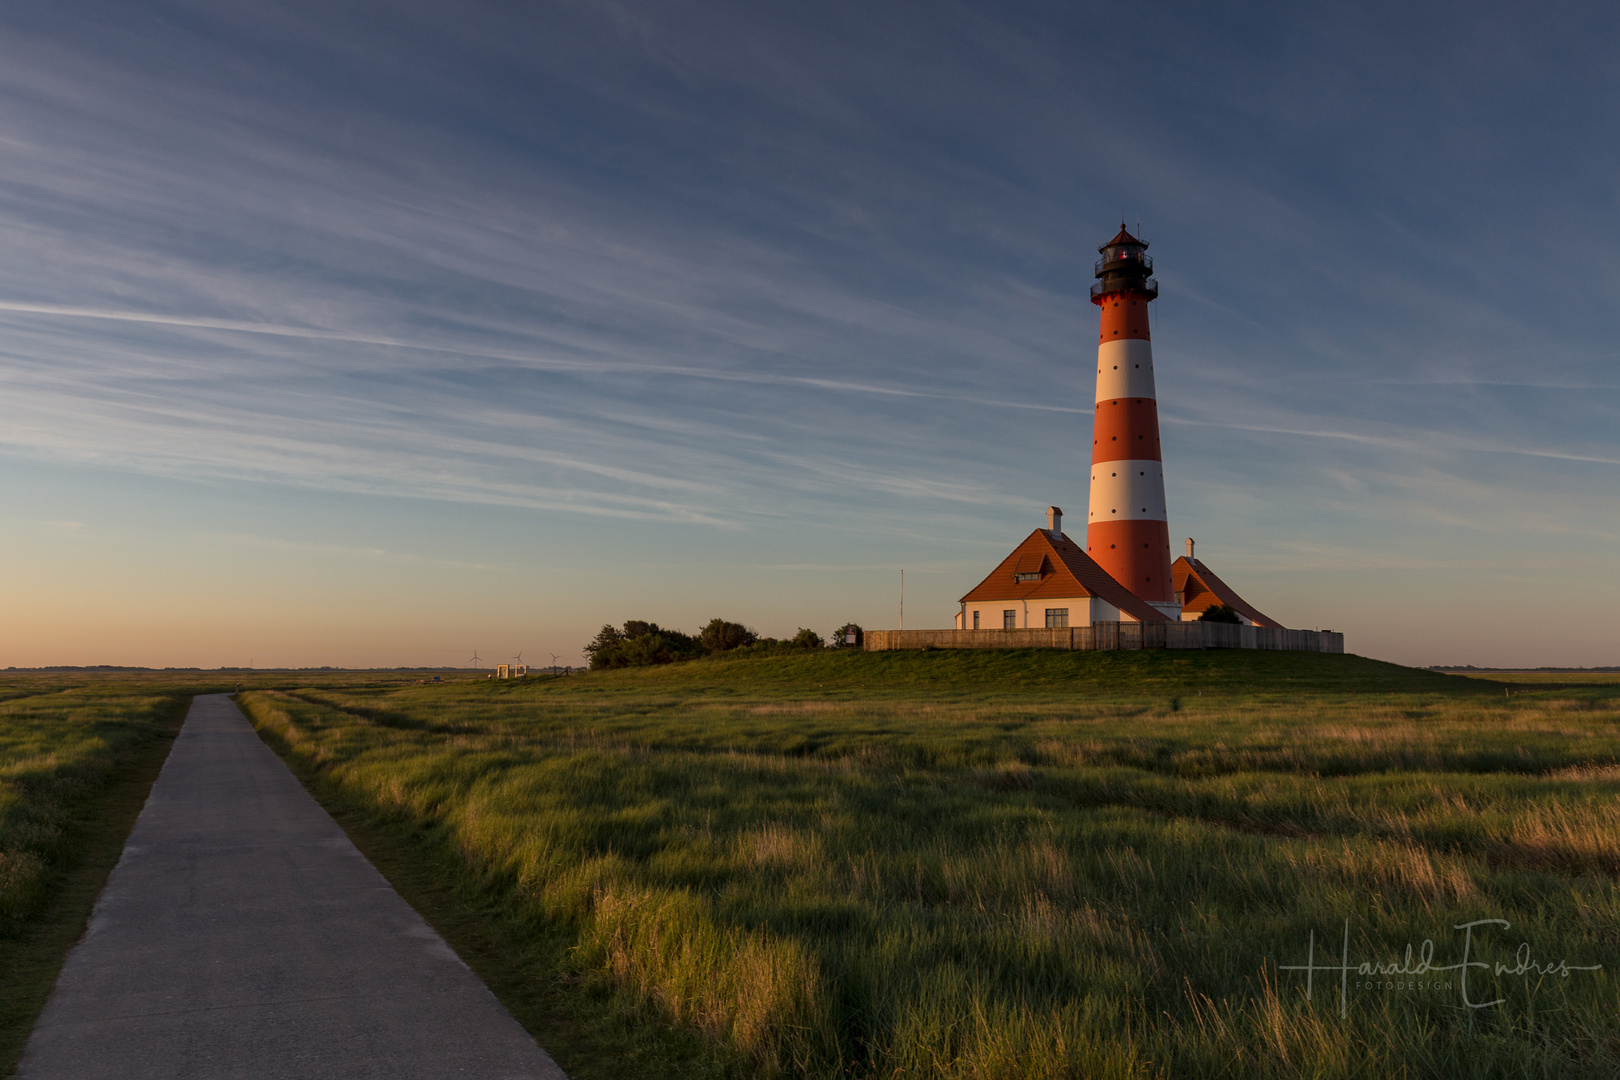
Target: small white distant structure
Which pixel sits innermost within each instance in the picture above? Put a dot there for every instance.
(502, 671)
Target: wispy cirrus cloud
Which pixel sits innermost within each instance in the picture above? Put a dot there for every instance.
(818, 275)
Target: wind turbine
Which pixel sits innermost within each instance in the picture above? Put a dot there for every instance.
(554, 662)
(476, 660)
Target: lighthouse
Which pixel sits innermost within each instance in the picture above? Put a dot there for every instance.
(1127, 533)
(1124, 575)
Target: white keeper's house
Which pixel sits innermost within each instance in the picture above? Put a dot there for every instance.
(1049, 581)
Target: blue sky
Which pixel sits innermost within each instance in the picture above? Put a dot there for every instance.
(377, 334)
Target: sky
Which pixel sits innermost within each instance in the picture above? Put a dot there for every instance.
(388, 334)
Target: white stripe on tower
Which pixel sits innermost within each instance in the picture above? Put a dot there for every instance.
(1125, 369)
(1127, 491)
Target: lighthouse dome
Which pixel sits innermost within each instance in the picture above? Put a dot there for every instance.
(1124, 239)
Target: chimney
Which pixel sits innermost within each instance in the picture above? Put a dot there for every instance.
(1054, 521)
(1190, 550)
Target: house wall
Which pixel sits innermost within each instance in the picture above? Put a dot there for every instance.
(1083, 611)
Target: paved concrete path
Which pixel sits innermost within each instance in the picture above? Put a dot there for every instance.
(242, 935)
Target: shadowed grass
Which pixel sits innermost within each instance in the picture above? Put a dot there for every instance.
(76, 763)
(1010, 865)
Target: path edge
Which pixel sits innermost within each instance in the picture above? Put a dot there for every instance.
(577, 1025)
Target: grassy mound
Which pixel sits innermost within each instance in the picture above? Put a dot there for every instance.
(1021, 673)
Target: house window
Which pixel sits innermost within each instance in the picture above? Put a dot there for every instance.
(975, 618)
(1009, 619)
(1033, 576)
(1057, 617)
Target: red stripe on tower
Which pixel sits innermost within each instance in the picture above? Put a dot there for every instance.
(1126, 531)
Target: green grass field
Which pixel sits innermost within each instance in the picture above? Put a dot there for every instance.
(1001, 864)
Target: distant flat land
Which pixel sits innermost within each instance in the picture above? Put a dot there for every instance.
(999, 864)
(1544, 676)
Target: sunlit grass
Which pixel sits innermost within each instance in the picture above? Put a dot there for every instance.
(1020, 865)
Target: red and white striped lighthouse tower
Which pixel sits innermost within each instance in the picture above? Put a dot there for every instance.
(1126, 531)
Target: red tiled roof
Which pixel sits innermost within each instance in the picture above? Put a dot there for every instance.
(1216, 590)
(1066, 570)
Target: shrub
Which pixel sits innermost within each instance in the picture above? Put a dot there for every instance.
(840, 637)
(722, 636)
(640, 644)
(803, 641)
(807, 639)
(1221, 613)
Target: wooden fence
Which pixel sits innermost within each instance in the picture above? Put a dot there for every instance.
(1114, 635)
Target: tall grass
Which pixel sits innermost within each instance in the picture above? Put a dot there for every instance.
(59, 743)
(1081, 869)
